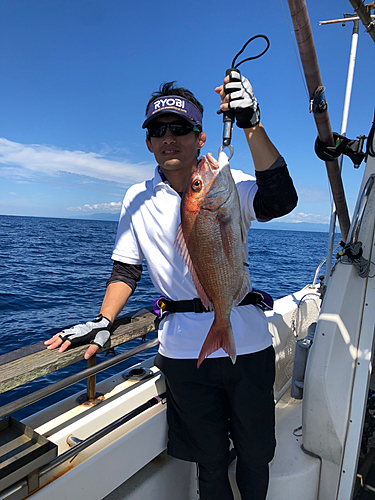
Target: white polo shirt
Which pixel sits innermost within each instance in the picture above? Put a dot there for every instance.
(147, 230)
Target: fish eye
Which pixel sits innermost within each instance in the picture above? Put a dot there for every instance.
(196, 185)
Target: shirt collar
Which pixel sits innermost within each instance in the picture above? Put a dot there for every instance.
(158, 180)
(159, 177)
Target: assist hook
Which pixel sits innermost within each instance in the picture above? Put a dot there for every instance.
(228, 116)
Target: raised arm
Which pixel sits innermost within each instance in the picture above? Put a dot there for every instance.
(237, 95)
(276, 195)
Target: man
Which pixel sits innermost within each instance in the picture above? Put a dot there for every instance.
(219, 400)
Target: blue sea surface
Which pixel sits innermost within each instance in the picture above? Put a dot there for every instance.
(54, 272)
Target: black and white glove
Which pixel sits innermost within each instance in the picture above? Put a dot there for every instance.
(95, 332)
(242, 100)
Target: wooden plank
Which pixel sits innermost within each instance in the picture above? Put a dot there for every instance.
(22, 366)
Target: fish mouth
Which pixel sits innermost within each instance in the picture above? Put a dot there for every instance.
(217, 165)
(214, 191)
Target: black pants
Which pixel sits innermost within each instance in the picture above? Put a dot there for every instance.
(218, 401)
(214, 482)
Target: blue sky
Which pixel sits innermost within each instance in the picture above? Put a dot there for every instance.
(76, 76)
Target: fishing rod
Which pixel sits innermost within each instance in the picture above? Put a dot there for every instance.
(318, 105)
(228, 116)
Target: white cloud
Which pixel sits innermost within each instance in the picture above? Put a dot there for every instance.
(301, 217)
(48, 160)
(112, 207)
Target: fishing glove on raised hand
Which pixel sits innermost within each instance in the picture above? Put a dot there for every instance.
(242, 100)
(95, 332)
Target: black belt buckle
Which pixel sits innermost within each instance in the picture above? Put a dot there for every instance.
(261, 303)
(198, 306)
(258, 298)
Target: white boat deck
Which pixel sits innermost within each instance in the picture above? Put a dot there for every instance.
(131, 462)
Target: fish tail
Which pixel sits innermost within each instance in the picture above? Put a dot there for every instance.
(219, 336)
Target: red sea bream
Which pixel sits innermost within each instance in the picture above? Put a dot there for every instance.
(211, 243)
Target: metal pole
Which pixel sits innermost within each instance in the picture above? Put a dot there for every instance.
(344, 20)
(349, 82)
(364, 16)
(344, 123)
(91, 381)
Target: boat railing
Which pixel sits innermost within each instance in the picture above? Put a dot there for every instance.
(317, 271)
(23, 365)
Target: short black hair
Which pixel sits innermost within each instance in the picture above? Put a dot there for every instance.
(170, 89)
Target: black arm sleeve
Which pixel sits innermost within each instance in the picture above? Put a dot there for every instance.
(276, 195)
(127, 273)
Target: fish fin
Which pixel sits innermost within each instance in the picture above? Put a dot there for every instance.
(184, 252)
(219, 336)
(243, 290)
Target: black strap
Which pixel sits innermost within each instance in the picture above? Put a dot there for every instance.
(235, 66)
(195, 305)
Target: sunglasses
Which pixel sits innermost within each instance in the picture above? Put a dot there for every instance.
(177, 129)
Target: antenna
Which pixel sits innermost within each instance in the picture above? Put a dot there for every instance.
(363, 13)
(344, 122)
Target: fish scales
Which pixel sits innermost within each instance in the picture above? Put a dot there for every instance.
(211, 244)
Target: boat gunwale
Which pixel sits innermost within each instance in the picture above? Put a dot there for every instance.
(25, 365)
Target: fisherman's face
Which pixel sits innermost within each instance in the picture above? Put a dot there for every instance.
(175, 152)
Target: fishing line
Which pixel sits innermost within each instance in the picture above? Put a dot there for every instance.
(295, 51)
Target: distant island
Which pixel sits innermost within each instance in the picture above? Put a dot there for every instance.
(274, 224)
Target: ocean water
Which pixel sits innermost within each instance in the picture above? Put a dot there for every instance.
(53, 274)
